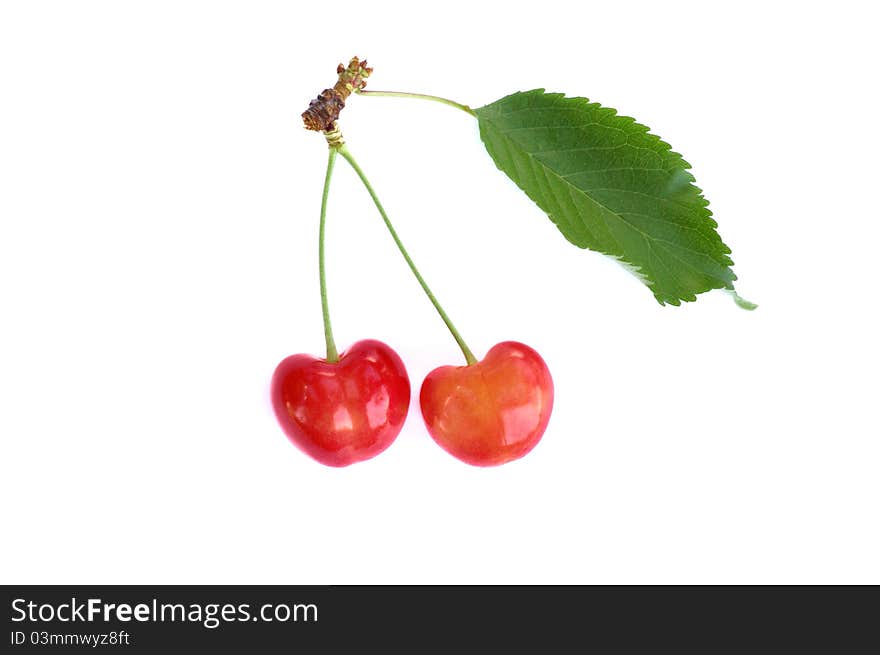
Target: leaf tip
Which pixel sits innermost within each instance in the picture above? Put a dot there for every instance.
(741, 302)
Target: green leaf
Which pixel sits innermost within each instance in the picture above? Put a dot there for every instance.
(610, 186)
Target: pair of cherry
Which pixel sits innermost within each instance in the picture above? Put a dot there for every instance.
(351, 406)
(486, 413)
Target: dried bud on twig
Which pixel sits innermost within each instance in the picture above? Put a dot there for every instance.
(324, 110)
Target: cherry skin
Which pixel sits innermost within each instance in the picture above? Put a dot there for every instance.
(490, 412)
(343, 412)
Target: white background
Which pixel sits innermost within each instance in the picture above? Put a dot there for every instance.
(159, 203)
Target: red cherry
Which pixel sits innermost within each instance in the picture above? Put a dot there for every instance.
(343, 412)
(490, 412)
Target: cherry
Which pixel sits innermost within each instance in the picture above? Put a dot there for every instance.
(492, 411)
(346, 411)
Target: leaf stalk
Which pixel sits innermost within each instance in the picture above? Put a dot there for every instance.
(419, 96)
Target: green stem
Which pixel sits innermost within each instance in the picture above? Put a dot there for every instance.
(332, 355)
(468, 355)
(420, 96)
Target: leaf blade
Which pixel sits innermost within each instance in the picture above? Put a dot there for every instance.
(611, 186)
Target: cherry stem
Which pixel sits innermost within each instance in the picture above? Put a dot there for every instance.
(332, 355)
(468, 355)
(419, 96)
